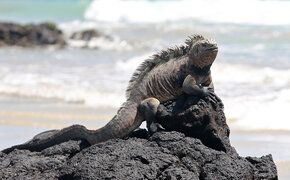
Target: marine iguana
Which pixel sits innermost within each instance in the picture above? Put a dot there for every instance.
(164, 76)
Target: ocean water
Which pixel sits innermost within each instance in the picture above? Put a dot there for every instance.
(53, 88)
(28, 11)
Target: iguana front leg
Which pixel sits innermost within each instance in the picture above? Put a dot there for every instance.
(192, 88)
(210, 87)
(149, 109)
(205, 89)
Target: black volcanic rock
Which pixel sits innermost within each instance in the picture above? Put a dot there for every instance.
(199, 118)
(201, 151)
(85, 35)
(90, 38)
(165, 155)
(30, 35)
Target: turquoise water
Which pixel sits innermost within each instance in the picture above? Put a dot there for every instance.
(42, 10)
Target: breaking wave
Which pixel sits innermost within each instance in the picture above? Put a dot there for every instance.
(254, 97)
(272, 12)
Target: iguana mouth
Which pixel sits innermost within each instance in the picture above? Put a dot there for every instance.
(212, 49)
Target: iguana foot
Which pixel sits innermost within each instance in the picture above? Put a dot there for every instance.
(191, 88)
(149, 108)
(154, 127)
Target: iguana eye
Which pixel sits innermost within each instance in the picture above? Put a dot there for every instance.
(196, 51)
(228, 132)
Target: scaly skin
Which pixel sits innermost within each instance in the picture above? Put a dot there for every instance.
(165, 76)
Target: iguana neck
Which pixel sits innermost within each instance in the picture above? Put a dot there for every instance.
(194, 70)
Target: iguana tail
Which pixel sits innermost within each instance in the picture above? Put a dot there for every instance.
(126, 120)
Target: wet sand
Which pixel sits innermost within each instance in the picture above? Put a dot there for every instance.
(22, 118)
(259, 143)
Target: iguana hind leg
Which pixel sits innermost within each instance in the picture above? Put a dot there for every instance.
(149, 108)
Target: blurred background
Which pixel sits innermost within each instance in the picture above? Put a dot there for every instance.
(75, 67)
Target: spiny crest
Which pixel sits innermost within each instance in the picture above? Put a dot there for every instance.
(176, 51)
(146, 66)
(193, 39)
(168, 54)
(161, 58)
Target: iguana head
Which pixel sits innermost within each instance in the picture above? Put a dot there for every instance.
(202, 51)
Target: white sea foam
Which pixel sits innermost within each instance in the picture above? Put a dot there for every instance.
(131, 64)
(101, 42)
(106, 41)
(254, 98)
(226, 11)
(33, 86)
(91, 86)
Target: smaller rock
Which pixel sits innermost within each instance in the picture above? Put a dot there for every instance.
(201, 118)
(85, 35)
(264, 166)
(91, 38)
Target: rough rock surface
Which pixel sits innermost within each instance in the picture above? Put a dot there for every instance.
(199, 118)
(45, 34)
(87, 35)
(91, 38)
(30, 35)
(164, 155)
